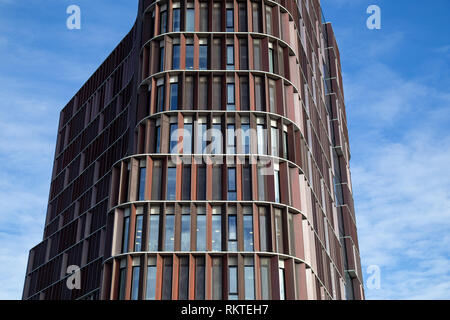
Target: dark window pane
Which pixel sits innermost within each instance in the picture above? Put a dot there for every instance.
(156, 181)
(217, 182)
(126, 227)
(167, 279)
(161, 59)
(243, 17)
(278, 231)
(173, 96)
(201, 183)
(171, 183)
(232, 233)
(264, 230)
(158, 139)
(282, 285)
(217, 279)
(122, 282)
(160, 99)
(183, 283)
(186, 184)
(200, 278)
(176, 57)
(247, 182)
(173, 138)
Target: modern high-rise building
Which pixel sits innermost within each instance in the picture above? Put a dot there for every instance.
(207, 158)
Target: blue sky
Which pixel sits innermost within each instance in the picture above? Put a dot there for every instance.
(398, 103)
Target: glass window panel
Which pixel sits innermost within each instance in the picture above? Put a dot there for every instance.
(249, 281)
(230, 97)
(163, 22)
(190, 20)
(173, 96)
(203, 57)
(141, 185)
(231, 139)
(247, 182)
(216, 139)
(183, 283)
(189, 93)
(217, 232)
(232, 283)
(171, 183)
(217, 182)
(160, 98)
(261, 183)
(200, 278)
(138, 233)
(256, 55)
(161, 59)
(248, 233)
(167, 279)
(282, 284)
(265, 279)
(173, 138)
(217, 278)
(156, 181)
(256, 11)
(187, 138)
(153, 233)
(230, 57)
(278, 231)
(232, 233)
(261, 133)
(169, 233)
(264, 230)
(204, 17)
(158, 139)
(245, 102)
(243, 17)
(232, 195)
(151, 283)
(135, 283)
(189, 56)
(122, 282)
(126, 234)
(230, 20)
(201, 232)
(277, 185)
(217, 17)
(201, 183)
(245, 129)
(274, 140)
(185, 232)
(176, 20)
(186, 184)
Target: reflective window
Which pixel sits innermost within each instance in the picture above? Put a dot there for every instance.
(271, 64)
(173, 96)
(274, 141)
(262, 146)
(249, 282)
(190, 19)
(173, 138)
(217, 17)
(261, 182)
(176, 20)
(141, 185)
(190, 56)
(201, 183)
(217, 232)
(256, 12)
(230, 57)
(158, 139)
(203, 57)
(135, 283)
(163, 22)
(156, 180)
(153, 233)
(265, 279)
(231, 97)
(232, 283)
(186, 232)
(171, 183)
(232, 233)
(245, 129)
(217, 278)
(278, 232)
(231, 139)
(272, 95)
(276, 178)
(248, 232)
(217, 183)
(151, 283)
(203, 17)
(176, 57)
(269, 20)
(201, 232)
(138, 233)
(264, 229)
(216, 139)
(232, 194)
(169, 233)
(282, 284)
(187, 138)
(256, 54)
(230, 20)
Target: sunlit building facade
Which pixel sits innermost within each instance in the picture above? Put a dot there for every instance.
(207, 158)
